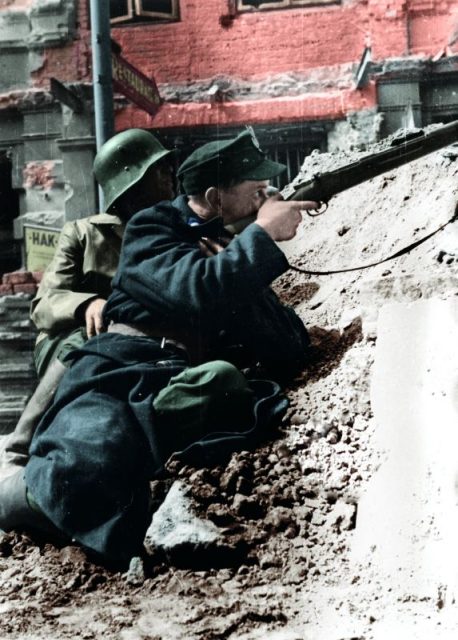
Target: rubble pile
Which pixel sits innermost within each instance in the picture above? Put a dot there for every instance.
(273, 558)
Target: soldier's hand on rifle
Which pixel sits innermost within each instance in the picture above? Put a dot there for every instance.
(281, 218)
(93, 317)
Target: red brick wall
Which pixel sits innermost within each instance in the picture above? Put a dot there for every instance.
(20, 282)
(257, 43)
(261, 44)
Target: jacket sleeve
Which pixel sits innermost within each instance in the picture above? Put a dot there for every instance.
(160, 267)
(225, 297)
(54, 308)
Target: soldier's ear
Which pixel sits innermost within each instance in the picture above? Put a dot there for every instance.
(213, 198)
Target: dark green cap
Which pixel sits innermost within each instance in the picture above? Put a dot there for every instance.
(219, 162)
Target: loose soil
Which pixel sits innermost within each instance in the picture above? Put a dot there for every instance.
(288, 510)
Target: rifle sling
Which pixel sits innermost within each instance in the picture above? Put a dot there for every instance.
(398, 254)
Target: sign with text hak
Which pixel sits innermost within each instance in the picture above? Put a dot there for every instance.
(40, 243)
(135, 85)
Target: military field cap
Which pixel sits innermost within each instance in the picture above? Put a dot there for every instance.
(124, 159)
(221, 161)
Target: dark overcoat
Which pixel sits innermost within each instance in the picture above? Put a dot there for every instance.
(164, 281)
(97, 447)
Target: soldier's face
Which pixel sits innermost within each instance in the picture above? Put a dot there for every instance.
(242, 200)
(158, 182)
(156, 185)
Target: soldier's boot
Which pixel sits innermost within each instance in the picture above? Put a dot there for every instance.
(16, 511)
(16, 452)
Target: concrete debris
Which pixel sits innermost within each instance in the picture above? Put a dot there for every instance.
(175, 524)
(342, 517)
(135, 575)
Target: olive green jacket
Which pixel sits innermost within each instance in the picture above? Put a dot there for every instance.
(84, 263)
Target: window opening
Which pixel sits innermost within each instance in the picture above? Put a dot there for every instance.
(249, 5)
(122, 11)
(10, 251)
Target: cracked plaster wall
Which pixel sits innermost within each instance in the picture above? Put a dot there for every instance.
(38, 40)
(26, 28)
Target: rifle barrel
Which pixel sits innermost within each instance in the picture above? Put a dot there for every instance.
(323, 187)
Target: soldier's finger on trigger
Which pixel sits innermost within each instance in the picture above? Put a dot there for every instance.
(305, 205)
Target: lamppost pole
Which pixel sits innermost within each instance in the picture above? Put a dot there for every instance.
(101, 74)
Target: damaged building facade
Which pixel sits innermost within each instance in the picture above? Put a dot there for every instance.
(46, 148)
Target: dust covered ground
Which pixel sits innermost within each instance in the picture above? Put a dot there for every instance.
(284, 567)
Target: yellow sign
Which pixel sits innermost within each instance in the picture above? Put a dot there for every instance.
(40, 244)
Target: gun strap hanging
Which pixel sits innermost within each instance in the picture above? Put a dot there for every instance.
(398, 254)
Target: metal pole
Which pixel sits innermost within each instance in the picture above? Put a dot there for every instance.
(101, 74)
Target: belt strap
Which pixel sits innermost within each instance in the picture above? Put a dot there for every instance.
(144, 332)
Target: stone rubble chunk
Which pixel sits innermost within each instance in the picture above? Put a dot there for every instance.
(348, 317)
(175, 524)
(338, 479)
(309, 466)
(233, 472)
(359, 424)
(268, 560)
(247, 507)
(318, 518)
(279, 518)
(135, 575)
(341, 517)
(218, 514)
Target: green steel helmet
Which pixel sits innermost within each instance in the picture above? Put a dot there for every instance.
(124, 159)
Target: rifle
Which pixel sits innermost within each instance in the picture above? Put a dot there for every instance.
(323, 186)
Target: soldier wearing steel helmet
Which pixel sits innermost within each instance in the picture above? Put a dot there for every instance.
(133, 170)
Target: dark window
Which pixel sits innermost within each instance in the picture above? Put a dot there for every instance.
(10, 251)
(262, 4)
(143, 10)
(439, 98)
(247, 5)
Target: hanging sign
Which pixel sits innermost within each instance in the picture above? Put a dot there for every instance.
(131, 82)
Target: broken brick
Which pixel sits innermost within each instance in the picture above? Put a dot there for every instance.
(6, 289)
(25, 288)
(18, 277)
